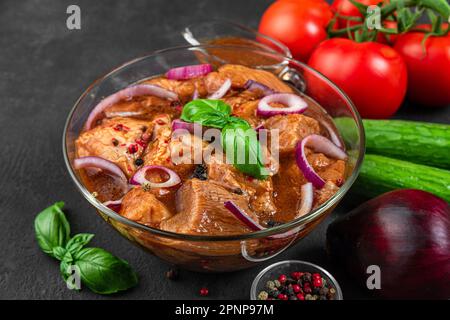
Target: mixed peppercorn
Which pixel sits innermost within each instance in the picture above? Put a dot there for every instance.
(298, 286)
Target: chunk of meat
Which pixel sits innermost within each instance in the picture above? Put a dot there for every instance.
(183, 88)
(200, 206)
(291, 129)
(247, 111)
(143, 207)
(143, 108)
(119, 140)
(239, 75)
(171, 151)
(258, 192)
(327, 168)
(322, 195)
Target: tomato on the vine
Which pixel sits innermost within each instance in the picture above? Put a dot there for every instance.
(347, 9)
(299, 24)
(373, 75)
(428, 66)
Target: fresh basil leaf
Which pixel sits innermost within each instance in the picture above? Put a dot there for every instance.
(242, 148)
(104, 273)
(59, 252)
(52, 228)
(211, 113)
(77, 242)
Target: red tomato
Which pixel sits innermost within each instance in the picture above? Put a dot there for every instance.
(300, 25)
(387, 38)
(429, 70)
(373, 75)
(348, 9)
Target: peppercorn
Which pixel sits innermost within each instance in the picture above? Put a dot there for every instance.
(263, 295)
(300, 296)
(270, 285)
(139, 162)
(204, 292)
(307, 277)
(132, 148)
(282, 296)
(282, 278)
(277, 283)
(293, 298)
(323, 291)
(307, 289)
(274, 293)
(172, 274)
(308, 297)
(290, 290)
(296, 288)
(317, 282)
(315, 297)
(115, 142)
(296, 275)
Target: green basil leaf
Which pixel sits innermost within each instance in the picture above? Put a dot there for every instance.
(78, 242)
(52, 228)
(59, 252)
(104, 273)
(242, 148)
(211, 113)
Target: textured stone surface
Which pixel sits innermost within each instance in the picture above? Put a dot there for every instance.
(43, 69)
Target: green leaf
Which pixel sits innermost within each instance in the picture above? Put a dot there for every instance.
(440, 6)
(211, 113)
(52, 228)
(242, 148)
(59, 252)
(362, 8)
(104, 273)
(78, 242)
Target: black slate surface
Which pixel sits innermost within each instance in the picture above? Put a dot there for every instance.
(44, 67)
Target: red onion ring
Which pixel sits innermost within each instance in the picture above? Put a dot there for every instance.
(128, 93)
(253, 85)
(252, 224)
(294, 103)
(139, 177)
(307, 200)
(319, 144)
(334, 138)
(195, 95)
(189, 72)
(114, 205)
(222, 90)
(103, 164)
(189, 126)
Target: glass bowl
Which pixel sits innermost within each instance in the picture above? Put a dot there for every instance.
(218, 253)
(287, 267)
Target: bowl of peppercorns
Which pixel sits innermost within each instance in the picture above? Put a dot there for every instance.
(295, 280)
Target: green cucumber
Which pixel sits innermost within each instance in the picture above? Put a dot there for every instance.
(418, 142)
(380, 174)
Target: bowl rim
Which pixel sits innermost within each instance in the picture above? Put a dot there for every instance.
(313, 215)
(253, 288)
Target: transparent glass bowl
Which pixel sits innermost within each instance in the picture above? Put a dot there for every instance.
(217, 253)
(287, 267)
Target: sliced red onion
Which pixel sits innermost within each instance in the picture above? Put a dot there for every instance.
(195, 95)
(307, 200)
(222, 90)
(189, 72)
(189, 126)
(252, 224)
(318, 144)
(334, 138)
(293, 103)
(114, 205)
(139, 177)
(253, 85)
(128, 93)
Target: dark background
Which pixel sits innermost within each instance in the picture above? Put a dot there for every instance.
(44, 67)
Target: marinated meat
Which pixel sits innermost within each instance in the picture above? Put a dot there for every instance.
(247, 111)
(322, 195)
(143, 207)
(291, 129)
(200, 206)
(119, 140)
(239, 76)
(184, 89)
(143, 108)
(328, 169)
(258, 192)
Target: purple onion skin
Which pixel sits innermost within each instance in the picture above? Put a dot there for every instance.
(407, 234)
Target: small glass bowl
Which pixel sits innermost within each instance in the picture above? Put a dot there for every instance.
(287, 267)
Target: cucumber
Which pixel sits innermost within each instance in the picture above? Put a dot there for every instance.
(380, 174)
(418, 142)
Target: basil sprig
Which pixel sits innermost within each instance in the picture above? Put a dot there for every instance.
(239, 140)
(99, 270)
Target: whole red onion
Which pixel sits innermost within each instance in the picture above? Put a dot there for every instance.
(404, 232)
